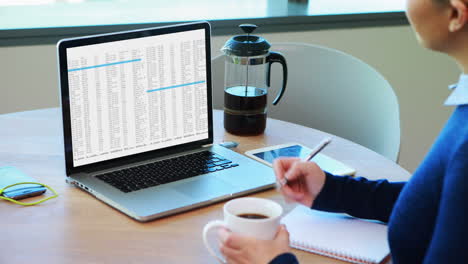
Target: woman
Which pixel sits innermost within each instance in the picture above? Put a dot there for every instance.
(428, 215)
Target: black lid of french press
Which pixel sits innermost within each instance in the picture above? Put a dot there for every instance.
(246, 45)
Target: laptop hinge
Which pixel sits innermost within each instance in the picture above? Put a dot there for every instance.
(207, 145)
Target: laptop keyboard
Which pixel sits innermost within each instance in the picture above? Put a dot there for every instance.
(165, 171)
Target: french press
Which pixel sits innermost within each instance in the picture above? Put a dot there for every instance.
(247, 80)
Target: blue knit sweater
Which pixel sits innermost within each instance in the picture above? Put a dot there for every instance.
(428, 215)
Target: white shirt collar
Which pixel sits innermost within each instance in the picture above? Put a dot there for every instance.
(459, 95)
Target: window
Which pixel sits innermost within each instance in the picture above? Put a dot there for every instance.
(46, 21)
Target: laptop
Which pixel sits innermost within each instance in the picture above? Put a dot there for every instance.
(138, 123)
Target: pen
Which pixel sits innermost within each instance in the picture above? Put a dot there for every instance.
(312, 154)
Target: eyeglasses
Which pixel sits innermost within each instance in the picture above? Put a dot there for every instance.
(27, 186)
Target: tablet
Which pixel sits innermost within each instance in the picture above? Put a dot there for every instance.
(326, 163)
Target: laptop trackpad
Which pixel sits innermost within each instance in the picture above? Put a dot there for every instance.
(205, 187)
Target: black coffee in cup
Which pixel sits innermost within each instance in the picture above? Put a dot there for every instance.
(245, 110)
(252, 216)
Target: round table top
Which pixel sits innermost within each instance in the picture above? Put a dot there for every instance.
(77, 228)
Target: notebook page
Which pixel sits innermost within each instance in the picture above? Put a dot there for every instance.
(340, 234)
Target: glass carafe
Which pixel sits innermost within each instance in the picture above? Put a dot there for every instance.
(247, 81)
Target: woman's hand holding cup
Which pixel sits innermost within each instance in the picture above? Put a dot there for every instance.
(252, 220)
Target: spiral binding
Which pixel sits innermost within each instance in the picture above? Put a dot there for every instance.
(328, 252)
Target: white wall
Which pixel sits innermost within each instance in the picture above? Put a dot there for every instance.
(419, 77)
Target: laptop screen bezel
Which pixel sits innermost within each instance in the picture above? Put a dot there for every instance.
(62, 47)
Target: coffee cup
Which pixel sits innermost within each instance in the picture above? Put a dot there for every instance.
(255, 217)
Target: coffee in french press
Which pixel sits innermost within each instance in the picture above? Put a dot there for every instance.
(247, 80)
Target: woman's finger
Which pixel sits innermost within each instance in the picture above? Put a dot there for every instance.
(295, 172)
(282, 165)
(282, 234)
(223, 234)
(236, 241)
(302, 170)
(292, 195)
(232, 255)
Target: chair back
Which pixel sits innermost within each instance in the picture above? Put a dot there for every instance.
(331, 91)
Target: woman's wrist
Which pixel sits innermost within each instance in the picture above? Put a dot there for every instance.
(285, 258)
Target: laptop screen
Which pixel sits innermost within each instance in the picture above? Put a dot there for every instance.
(137, 95)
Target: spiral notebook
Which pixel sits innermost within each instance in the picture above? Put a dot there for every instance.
(337, 235)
